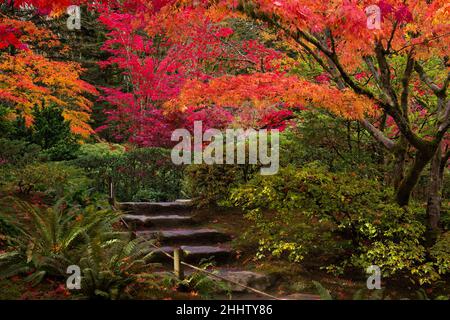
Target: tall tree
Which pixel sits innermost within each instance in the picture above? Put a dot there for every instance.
(28, 76)
(374, 75)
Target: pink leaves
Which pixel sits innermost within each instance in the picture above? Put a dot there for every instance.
(224, 32)
(158, 54)
(386, 8)
(323, 78)
(403, 14)
(9, 37)
(276, 119)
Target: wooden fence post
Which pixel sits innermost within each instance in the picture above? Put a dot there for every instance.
(177, 266)
(111, 196)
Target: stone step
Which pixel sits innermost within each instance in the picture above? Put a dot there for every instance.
(155, 208)
(195, 254)
(247, 278)
(186, 236)
(139, 222)
(251, 279)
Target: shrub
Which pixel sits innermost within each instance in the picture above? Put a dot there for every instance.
(209, 185)
(146, 173)
(110, 268)
(55, 179)
(49, 239)
(92, 152)
(350, 221)
(50, 131)
(336, 143)
(17, 152)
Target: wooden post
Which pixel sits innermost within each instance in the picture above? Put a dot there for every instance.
(177, 266)
(111, 192)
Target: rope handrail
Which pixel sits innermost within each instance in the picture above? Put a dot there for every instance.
(198, 268)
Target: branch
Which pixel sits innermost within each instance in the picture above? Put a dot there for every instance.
(426, 79)
(391, 108)
(388, 46)
(445, 124)
(444, 160)
(369, 62)
(378, 135)
(405, 84)
(385, 76)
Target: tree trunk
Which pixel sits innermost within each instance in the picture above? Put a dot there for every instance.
(398, 172)
(409, 182)
(435, 191)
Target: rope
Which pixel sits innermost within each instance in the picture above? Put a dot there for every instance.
(217, 276)
(197, 268)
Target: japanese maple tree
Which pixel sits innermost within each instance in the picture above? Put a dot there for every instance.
(379, 75)
(29, 78)
(160, 46)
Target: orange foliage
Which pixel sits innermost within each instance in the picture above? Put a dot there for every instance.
(419, 24)
(28, 78)
(263, 90)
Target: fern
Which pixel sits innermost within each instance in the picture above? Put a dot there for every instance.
(110, 267)
(323, 292)
(46, 241)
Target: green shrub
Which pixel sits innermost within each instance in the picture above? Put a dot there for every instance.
(50, 240)
(209, 185)
(140, 173)
(351, 222)
(336, 143)
(50, 131)
(109, 268)
(53, 133)
(17, 152)
(97, 151)
(55, 179)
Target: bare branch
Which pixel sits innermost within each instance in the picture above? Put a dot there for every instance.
(426, 79)
(405, 84)
(378, 135)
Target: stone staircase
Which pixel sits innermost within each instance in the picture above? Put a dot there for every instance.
(173, 225)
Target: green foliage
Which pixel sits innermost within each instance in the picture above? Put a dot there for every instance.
(50, 131)
(336, 143)
(139, 174)
(349, 221)
(6, 127)
(440, 252)
(49, 127)
(110, 267)
(90, 152)
(55, 179)
(17, 152)
(206, 286)
(209, 185)
(48, 240)
(7, 230)
(323, 292)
